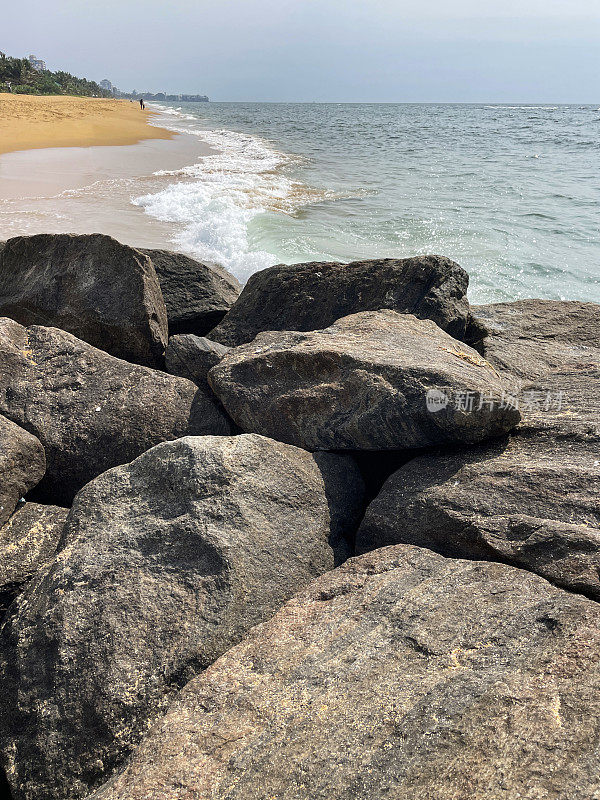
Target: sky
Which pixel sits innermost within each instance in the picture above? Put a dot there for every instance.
(321, 50)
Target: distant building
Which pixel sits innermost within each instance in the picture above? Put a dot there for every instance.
(161, 96)
(194, 98)
(37, 63)
(106, 84)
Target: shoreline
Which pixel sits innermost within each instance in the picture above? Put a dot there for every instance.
(163, 192)
(32, 122)
(81, 189)
(248, 188)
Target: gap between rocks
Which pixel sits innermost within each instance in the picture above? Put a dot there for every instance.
(5, 791)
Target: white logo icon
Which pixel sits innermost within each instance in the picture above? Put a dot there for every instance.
(436, 400)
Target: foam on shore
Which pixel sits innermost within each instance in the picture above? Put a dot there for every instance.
(214, 201)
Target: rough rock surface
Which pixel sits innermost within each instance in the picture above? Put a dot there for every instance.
(401, 675)
(362, 383)
(22, 465)
(531, 501)
(308, 297)
(27, 540)
(92, 286)
(197, 295)
(192, 357)
(546, 347)
(167, 562)
(92, 411)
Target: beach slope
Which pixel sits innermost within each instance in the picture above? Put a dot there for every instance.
(29, 122)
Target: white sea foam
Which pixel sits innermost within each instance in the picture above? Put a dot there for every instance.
(527, 108)
(213, 201)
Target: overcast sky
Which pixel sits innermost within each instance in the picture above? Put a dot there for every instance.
(305, 50)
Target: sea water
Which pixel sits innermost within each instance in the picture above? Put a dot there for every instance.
(511, 192)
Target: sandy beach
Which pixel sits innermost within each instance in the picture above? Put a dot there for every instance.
(29, 122)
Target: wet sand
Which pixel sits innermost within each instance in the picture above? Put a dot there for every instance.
(90, 189)
(29, 122)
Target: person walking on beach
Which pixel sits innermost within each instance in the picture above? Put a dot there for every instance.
(142, 104)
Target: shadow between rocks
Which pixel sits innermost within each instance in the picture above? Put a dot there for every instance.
(5, 791)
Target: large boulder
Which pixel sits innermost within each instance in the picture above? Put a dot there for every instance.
(197, 295)
(551, 351)
(27, 540)
(371, 381)
(92, 411)
(308, 297)
(22, 465)
(401, 675)
(193, 356)
(167, 562)
(531, 501)
(92, 286)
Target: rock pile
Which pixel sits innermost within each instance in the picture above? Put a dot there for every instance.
(194, 626)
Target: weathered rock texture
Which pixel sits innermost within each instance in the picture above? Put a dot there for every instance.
(27, 540)
(308, 297)
(167, 562)
(193, 356)
(547, 347)
(531, 501)
(22, 465)
(92, 411)
(92, 286)
(363, 384)
(197, 295)
(399, 675)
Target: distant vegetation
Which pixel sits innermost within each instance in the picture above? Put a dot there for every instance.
(18, 76)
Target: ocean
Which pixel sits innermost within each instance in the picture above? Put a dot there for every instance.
(510, 192)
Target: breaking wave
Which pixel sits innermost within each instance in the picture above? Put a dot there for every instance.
(214, 201)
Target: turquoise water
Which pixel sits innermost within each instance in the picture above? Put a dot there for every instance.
(510, 192)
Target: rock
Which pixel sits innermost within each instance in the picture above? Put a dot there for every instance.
(548, 348)
(308, 297)
(399, 675)
(167, 562)
(197, 295)
(22, 465)
(531, 501)
(92, 286)
(364, 383)
(92, 411)
(192, 356)
(527, 327)
(27, 540)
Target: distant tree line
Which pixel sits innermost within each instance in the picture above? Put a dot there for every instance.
(18, 76)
